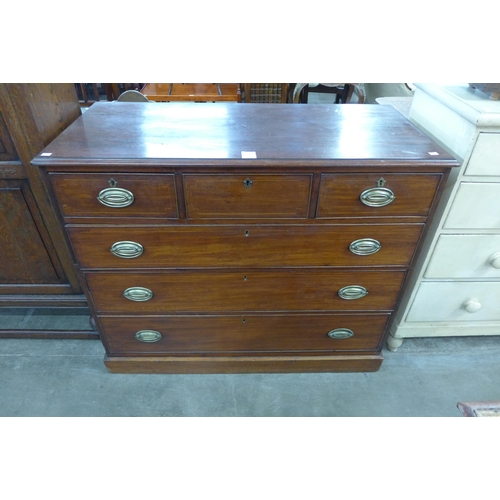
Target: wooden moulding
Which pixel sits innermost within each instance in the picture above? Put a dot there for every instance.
(244, 364)
(50, 334)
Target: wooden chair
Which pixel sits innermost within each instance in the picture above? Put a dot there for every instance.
(88, 93)
(132, 96)
(343, 91)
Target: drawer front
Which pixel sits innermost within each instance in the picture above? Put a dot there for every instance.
(485, 158)
(247, 196)
(475, 207)
(456, 301)
(248, 333)
(152, 195)
(252, 290)
(340, 195)
(244, 246)
(465, 256)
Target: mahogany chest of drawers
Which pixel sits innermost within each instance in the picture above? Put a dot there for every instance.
(243, 237)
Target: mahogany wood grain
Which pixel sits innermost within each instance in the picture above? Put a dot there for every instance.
(12, 170)
(120, 133)
(244, 245)
(339, 194)
(7, 149)
(154, 195)
(249, 333)
(245, 276)
(244, 290)
(31, 116)
(244, 364)
(250, 196)
(50, 334)
(23, 257)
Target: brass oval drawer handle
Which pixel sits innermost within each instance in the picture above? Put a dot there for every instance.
(116, 197)
(138, 294)
(127, 249)
(340, 333)
(365, 246)
(352, 292)
(148, 336)
(377, 197)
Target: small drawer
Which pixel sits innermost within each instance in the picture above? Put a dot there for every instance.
(247, 196)
(470, 301)
(108, 247)
(242, 333)
(194, 291)
(116, 195)
(475, 206)
(465, 256)
(485, 157)
(376, 195)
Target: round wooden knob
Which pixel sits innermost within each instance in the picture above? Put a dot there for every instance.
(495, 260)
(472, 305)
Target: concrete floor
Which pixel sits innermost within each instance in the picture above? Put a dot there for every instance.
(424, 378)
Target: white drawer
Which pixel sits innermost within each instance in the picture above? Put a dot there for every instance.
(476, 206)
(485, 158)
(445, 301)
(465, 256)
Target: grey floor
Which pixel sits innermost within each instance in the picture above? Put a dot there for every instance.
(424, 378)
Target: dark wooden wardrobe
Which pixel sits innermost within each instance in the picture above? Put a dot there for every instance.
(36, 269)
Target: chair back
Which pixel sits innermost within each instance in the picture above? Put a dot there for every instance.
(132, 96)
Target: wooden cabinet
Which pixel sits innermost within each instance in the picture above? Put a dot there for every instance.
(455, 289)
(36, 268)
(196, 258)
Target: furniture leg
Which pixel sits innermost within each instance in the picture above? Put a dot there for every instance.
(393, 343)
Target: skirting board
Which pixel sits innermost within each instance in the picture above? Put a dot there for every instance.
(257, 364)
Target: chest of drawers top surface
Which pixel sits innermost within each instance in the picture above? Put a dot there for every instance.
(127, 132)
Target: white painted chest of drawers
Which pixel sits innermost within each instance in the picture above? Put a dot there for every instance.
(455, 289)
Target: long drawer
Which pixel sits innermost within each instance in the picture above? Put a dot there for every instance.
(456, 301)
(245, 290)
(474, 256)
(244, 246)
(121, 195)
(485, 158)
(475, 206)
(243, 333)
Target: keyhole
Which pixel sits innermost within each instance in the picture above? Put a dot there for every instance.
(247, 233)
(112, 183)
(244, 320)
(247, 183)
(244, 278)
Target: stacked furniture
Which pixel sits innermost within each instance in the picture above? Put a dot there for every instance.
(199, 92)
(455, 290)
(256, 238)
(266, 92)
(36, 267)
